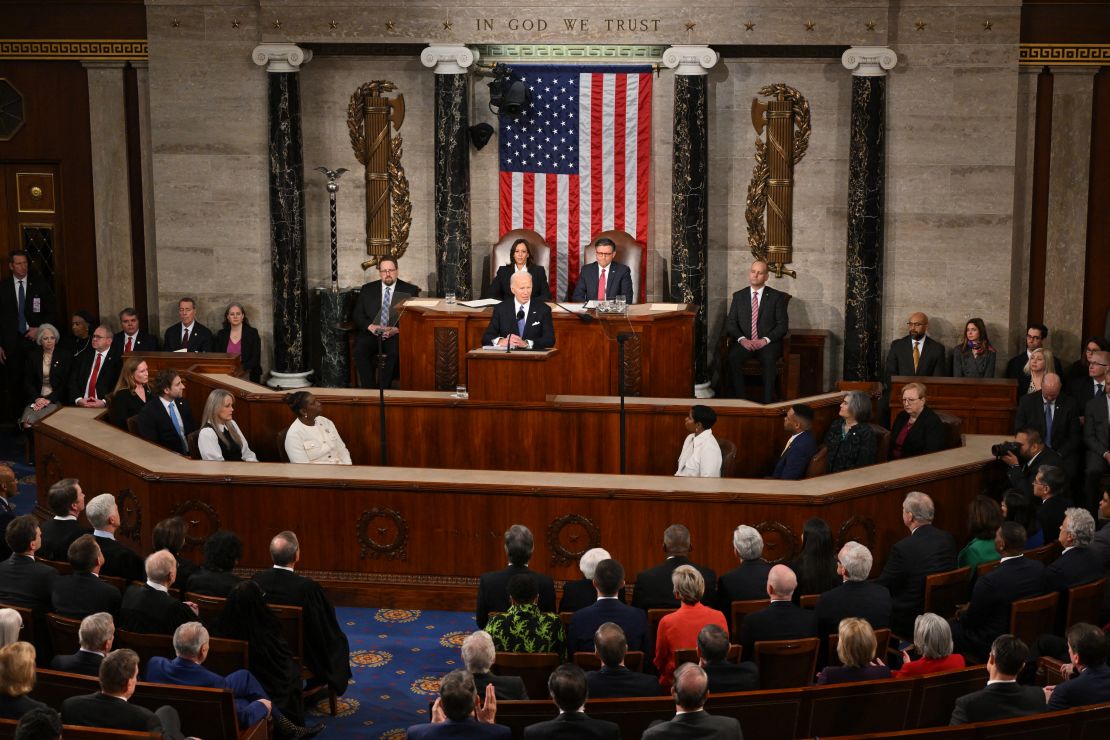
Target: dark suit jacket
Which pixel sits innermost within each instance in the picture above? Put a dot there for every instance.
(200, 338)
(1092, 686)
(156, 426)
(580, 594)
(926, 435)
(100, 710)
(1096, 432)
(368, 307)
(773, 321)
(504, 687)
(125, 404)
(146, 609)
(925, 551)
(250, 348)
(654, 589)
(899, 358)
(725, 676)
(998, 701)
(82, 662)
(584, 623)
(468, 728)
(493, 591)
(7, 514)
(14, 707)
(57, 536)
(620, 682)
(745, 582)
(78, 595)
(212, 583)
(106, 377)
(1067, 437)
(792, 464)
(782, 620)
(617, 282)
(1050, 515)
(538, 325)
(1015, 368)
(863, 599)
(1077, 566)
(60, 366)
(1022, 477)
(37, 294)
(988, 612)
(24, 582)
(701, 725)
(500, 287)
(1082, 391)
(121, 561)
(143, 342)
(571, 726)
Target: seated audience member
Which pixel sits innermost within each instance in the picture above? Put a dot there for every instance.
(1093, 382)
(94, 374)
(326, 651)
(47, 376)
(493, 586)
(187, 335)
(567, 687)
(1090, 682)
(110, 708)
(758, 322)
(67, 501)
(238, 337)
(96, 635)
(1078, 564)
(1055, 417)
(917, 429)
(148, 607)
(81, 593)
(987, 615)
(520, 322)
(800, 447)
(1100, 546)
(77, 344)
(132, 391)
(40, 724)
(614, 680)
(24, 582)
(1035, 455)
(581, 593)
(724, 675)
(1040, 364)
(856, 596)
(521, 254)
(916, 353)
(312, 438)
(816, 566)
(478, 655)
(608, 581)
(925, 551)
(1003, 698)
(1078, 372)
(167, 419)
(984, 517)
(604, 280)
(9, 489)
(932, 641)
(782, 619)
(1016, 508)
(220, 437)
(679, 630)
(1035, 334)
(654, 588)
(458, 712)
(690, 690)
(246, 617)
(850, 441)
(1051, 487)
(974, 357)
(17, 679)
(119, 561)
(131, 338)
(747, 581)
(523, 628)
(222, 551)
(169, 535)
(10, 625)
(701, 455)
(856, 649)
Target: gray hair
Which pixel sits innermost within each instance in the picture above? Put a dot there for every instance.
(688, 583)
(95, 630)
(520, 277)
(478, 652)
(859, 406)
(189, 639)
(159, 565)
(100, 510)
(588, 562)
(10, 625)
(856, 560)
(46, 328)
(920, 507)
(283, 548)
(1080, 525)
(747, 542)
(519, 543)
(932, 636)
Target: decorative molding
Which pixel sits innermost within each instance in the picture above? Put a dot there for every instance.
(1063, 55)
(645, 53)
(690, 60)
(869, 61)
(449, 60)
(864, 523)
(633, 367)
(281, 57)
(560, 553)
(779, 540)
(193, 505)
(446, 339)
(394, 549)
(82, 49)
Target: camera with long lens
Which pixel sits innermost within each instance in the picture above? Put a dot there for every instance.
(1002, 449)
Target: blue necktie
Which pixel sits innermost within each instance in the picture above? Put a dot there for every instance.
(386, 298)
(177, 425)
(520, 322)
(1048, 425)
(21, 299)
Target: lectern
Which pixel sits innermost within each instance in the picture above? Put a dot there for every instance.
(514, 377)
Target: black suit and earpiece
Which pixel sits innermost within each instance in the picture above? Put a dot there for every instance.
(367, 311)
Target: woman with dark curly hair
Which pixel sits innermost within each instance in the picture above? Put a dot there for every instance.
(974, 357)
(984, 517)
(850, 440)
(222, 551)
(816, 566)
(312, 438)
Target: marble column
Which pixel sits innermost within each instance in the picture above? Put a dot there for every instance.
(145, 148)
(690, 194)
(111, 194)
(863, 325)
(287, 229)
(452, 158)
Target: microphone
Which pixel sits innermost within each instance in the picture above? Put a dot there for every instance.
(584, 317)
(508, 339)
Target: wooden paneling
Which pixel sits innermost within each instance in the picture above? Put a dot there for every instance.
(69, 19)
(1096, 299)
(1065, 21)
(987, 405)
(809, 346)
(508, 377)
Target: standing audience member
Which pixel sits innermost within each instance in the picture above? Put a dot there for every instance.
(81, 592)
(782, 619)
(974, 357)
(110, 708)
(458, 712)
(167, 419)
(1090, 676)
(1079, 371)
(679, 630)
(932, 640)
(1035, 334)
(850, 440)
(724, 675)
(96, 634)
(493, 586)
(690, 690)
(1003, 698)
(654, 588)
(701, 455)
(131, 338)
(567, 687)
(220, 437)
(66, 499)
(856, 649)
(1056, 418)
(1096, 431)
(614, 679)
(523, 628)
(238, 337)
(816, 567)
(312, 437)
(46, 378)
(800, 446)
(984, 517)
(1094, 382)
(187, 335)
(17, 679)
(132, 391)
(26, 303)
(119, 561)
(375, 317)
(916, 353)
(478, 655)
(917, 429)
(747, 581)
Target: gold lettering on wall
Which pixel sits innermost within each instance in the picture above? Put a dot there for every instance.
(573, 25)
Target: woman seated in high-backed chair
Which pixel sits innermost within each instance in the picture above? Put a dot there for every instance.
(851, 441)
(312, 438)
(521, 255)
(220, 437)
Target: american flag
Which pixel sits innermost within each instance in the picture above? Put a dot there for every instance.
(576, 163)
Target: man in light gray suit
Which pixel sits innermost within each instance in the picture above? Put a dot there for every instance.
(691, 689)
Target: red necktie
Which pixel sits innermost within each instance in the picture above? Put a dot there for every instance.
(601, 285)
(755, 315)
(185, 339)
(128, 347)
(90, 392)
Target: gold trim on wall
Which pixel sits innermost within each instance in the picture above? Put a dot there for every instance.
(81, 49)
(1061, 55)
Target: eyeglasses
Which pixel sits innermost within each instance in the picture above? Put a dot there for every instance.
(100, 336)
(605, 254)
(910, 400)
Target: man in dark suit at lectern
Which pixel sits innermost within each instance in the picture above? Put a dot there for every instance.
(758, 322)
(520, 321)
(380, 326)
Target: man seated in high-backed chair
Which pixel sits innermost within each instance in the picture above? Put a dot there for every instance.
(604, 279)
(758, 323)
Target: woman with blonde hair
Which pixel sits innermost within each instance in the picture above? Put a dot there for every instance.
(856, 649)
(220, 437)
(132, 391)
(1040, 363)
(17, 678)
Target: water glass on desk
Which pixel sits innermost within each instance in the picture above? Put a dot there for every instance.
(460, 391)
(621, 304)
(449, 297)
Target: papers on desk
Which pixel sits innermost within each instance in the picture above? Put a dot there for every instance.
(573, 308)
(480, 303)
(422, 302)
(666, 306)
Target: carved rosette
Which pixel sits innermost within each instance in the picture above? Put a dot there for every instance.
(446, 340)
(632, 367)
(201, 520)
(779, 542)
(860, 529)
(382, 532)
(570, 536)
(130, 515)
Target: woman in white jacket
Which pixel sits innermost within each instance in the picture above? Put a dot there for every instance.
(312, 438)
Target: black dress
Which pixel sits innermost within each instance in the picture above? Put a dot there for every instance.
(125, 404)
(852, 449)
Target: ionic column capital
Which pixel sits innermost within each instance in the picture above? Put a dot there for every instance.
(869, 61)
(690, 60)
(449, 59)
(280, 57)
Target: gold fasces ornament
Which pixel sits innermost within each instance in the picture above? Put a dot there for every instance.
(388, 208)
(786, 119)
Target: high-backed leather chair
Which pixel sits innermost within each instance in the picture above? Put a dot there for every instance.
(501, 253)
(629, 253)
